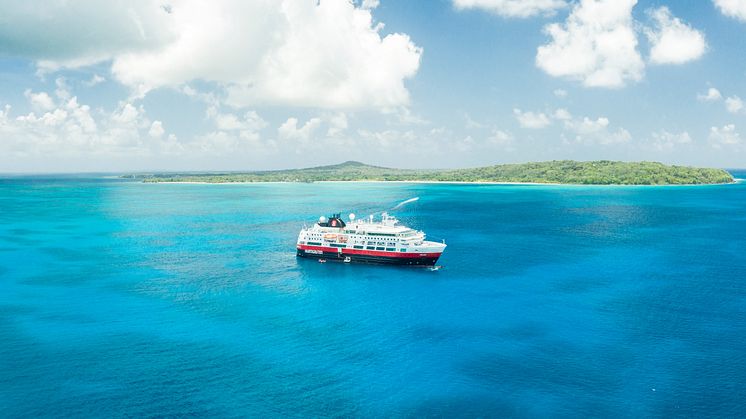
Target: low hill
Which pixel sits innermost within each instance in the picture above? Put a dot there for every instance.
(559, 172)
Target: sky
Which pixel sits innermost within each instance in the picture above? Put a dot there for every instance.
(190, 85)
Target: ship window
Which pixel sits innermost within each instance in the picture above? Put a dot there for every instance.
(390, 249)
(380, 248)
(370, 248)
(314, 243)
(402, 250)
(358, 247)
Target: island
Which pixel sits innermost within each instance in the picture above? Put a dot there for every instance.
(551, 172)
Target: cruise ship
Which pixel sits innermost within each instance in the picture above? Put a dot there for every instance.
(368, 241)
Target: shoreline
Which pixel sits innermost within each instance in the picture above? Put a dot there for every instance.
(435, 182)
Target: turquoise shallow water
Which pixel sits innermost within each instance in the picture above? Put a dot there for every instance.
(126, 299)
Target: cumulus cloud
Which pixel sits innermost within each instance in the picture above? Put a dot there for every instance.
(251, 122)
(39, 101)
(305, 53)
(562, 114)
(672, 41)
(67, 128)
(532, 120)
(500, 137)
(712, 95)
(94, 80)
(561, 93)
(598, 131)
(290, 130)
(232, 143)
(74, 33)
(71, 130)
(404, 115)
(156, 129)
(337, 124)
(596, 45)
(726, 136)
(471, 123)
(734, 104)
(370, 4)
(439, 143)
(666, 141)
(513, 8)
(732, 8)
(539, 120)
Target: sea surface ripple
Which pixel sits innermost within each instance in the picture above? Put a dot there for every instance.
(119, 298)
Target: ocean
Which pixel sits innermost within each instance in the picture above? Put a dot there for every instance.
(119, 298)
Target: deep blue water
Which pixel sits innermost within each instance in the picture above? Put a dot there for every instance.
(126, 299)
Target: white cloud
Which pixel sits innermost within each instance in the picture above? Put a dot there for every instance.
(436, 144)
(562, 114)
(539, 120)
(303, 53)
(156, 129)
(588, 126)
(251, 121)
(289, 130)
(596, 45)
(499, 137)
(466, 144)
(734, 104)
(532, 120)
(94, 80)
(330, 55)
(732, 8)
(370, 4)
(725, 136)
(72, 135)
(589, 131)
(227, 122)
(471, 123)
(63, 90)
(337, 124)
(665, 141)
(712, 95)
(127, 114)
(561, 93)
(71, 131)
(73, 33)
(39, 101)
(405, 116)
(672, 41)
(513, 8)
(232, 131)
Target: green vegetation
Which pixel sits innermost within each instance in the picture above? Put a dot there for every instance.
(565, 172)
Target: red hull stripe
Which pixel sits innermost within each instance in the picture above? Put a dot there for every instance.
(346, 251)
